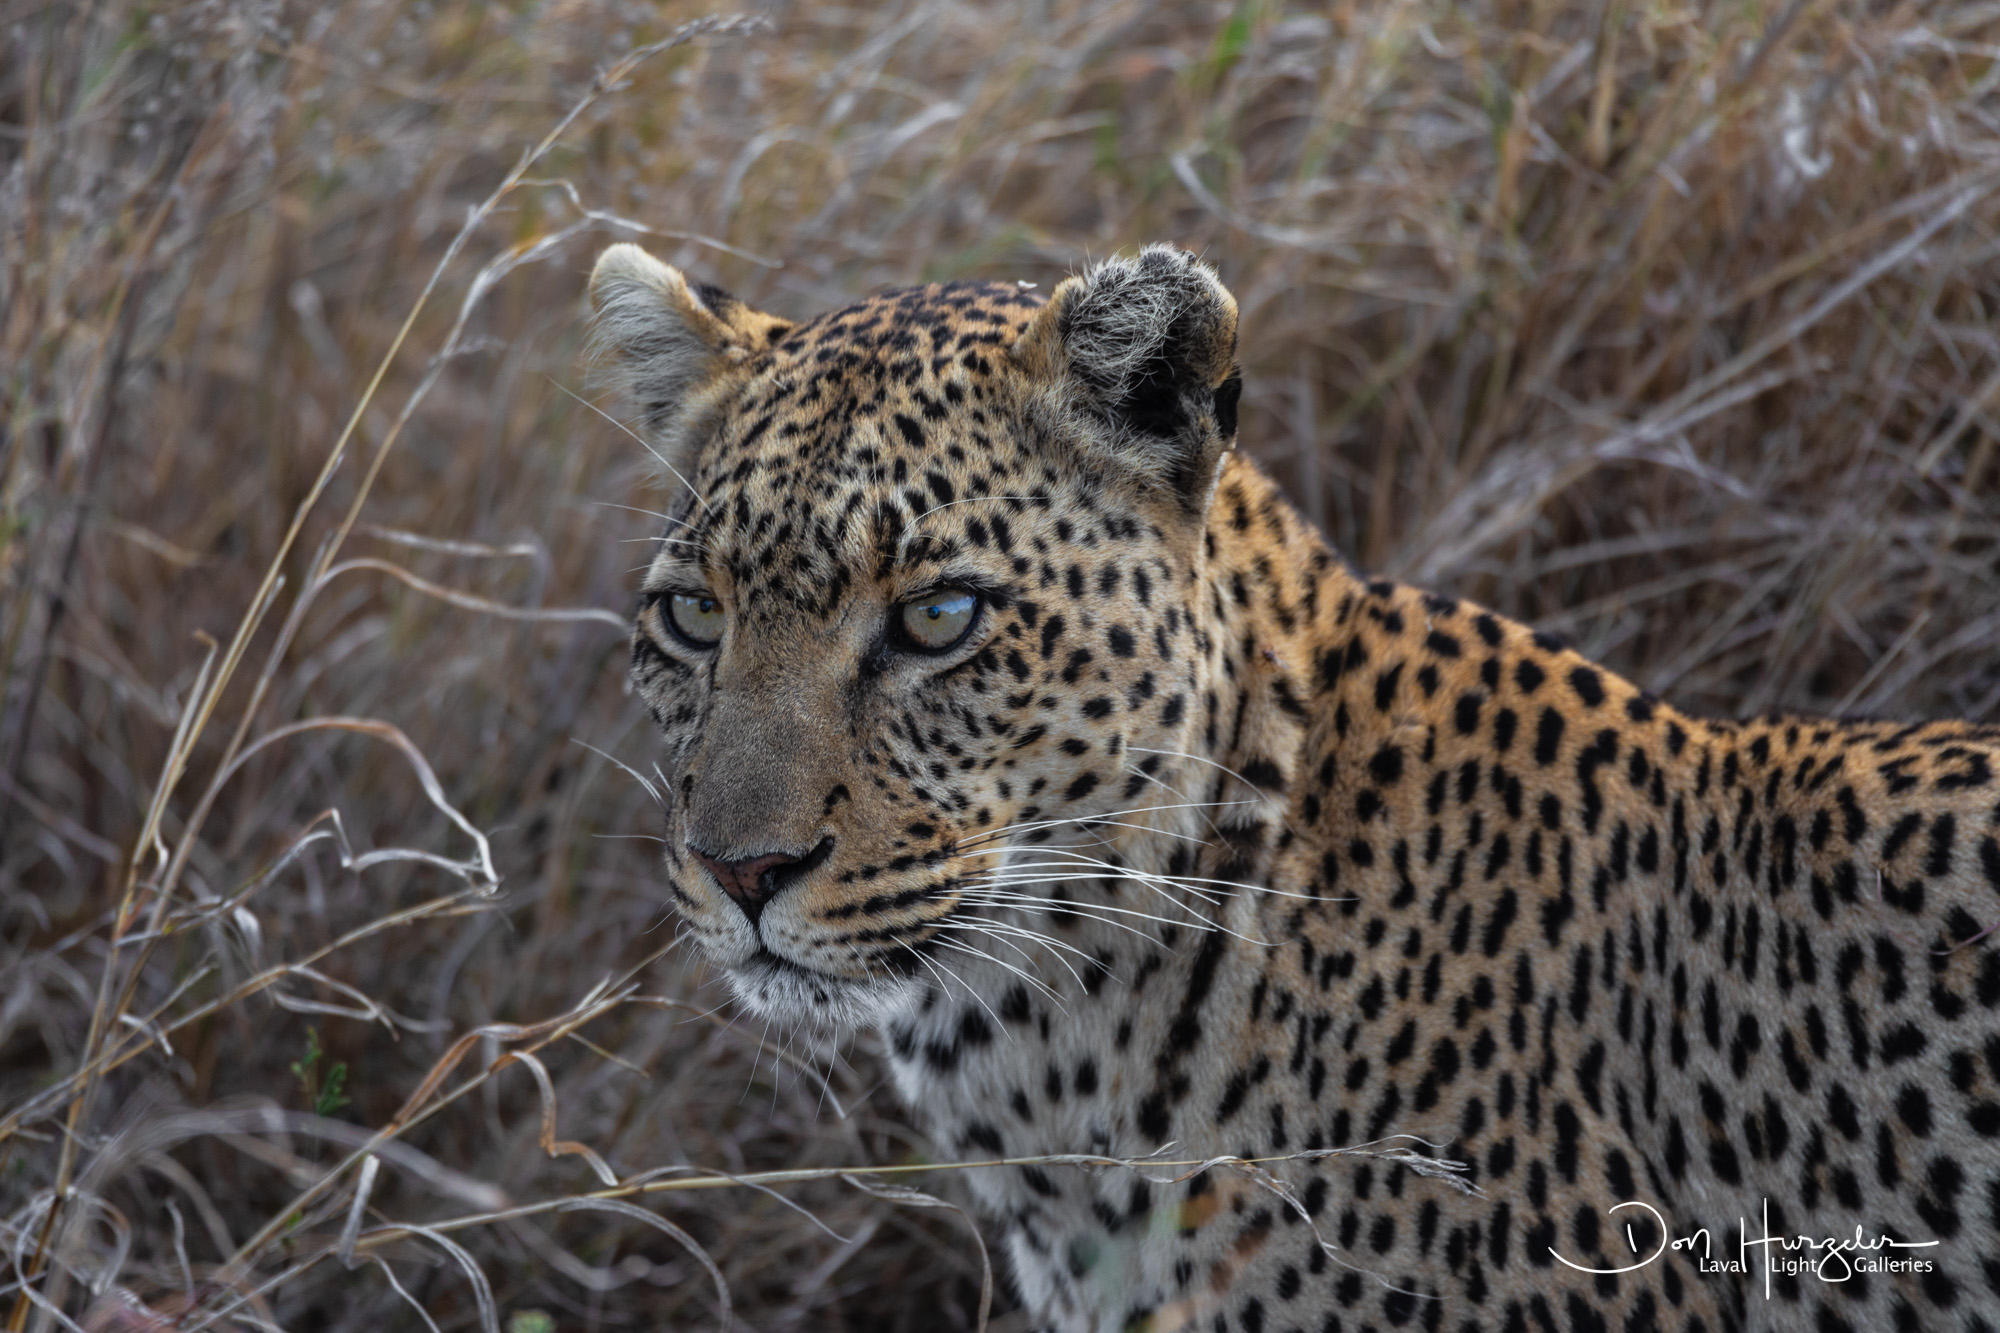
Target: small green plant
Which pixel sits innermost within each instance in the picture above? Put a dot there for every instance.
(325, 1094)
(1229, 45)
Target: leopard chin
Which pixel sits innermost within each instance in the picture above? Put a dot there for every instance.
(772, 987)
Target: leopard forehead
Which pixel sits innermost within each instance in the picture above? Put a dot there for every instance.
(889, 400)
(879, 440)
(926, 348)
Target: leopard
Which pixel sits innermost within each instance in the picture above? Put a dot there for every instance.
(1277, 948)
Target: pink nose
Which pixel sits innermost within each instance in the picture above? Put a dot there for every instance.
(751, 882)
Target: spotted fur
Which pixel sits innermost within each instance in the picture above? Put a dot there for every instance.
(1201, 839)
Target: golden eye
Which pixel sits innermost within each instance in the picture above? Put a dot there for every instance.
(696, 617)
(933, 624)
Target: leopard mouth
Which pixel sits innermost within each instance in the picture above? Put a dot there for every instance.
(896, 950)
(765, 962)
(846, 971)
(775, 986)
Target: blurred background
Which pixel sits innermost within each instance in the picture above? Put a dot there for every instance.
(1667, 328)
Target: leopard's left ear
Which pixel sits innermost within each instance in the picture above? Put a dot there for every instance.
(1138, 356)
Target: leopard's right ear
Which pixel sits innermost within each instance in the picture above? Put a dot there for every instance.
(669, 339)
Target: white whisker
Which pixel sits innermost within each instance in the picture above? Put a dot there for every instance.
(998, 928)
(1071, 857)
(676, 541)
(643, 443)
(919, 955)
(1029, 977)
(1154, 882)
(1015, 875)
(635, 775)
(1186, 881)
(975, 499)
(1108, 816)
(1175, 791)
(1033, 902)
(1201, 759)
(649, 513)
(958, 947)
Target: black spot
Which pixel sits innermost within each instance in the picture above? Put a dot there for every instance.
(1387, 765)
(1913, 1104)
(982, 1135)
(1385, 687)
(1905, 829)
(1262, 773)
(1467, 714)
(1944, 829)
(1903, 1042)
(1548, 737)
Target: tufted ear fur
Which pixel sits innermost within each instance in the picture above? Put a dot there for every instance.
(1139, 354)
(667, 338)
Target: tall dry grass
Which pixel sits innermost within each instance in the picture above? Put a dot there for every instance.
(1669, 328)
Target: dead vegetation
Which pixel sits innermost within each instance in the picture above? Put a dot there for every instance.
(322, 873)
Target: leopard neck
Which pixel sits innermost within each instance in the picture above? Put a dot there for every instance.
(1265, 581)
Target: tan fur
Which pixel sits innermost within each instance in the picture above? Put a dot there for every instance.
(1203, 843)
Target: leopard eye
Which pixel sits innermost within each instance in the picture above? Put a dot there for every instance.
(695, 618)
(935, 623)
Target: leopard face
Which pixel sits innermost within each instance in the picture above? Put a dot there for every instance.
(924, 598)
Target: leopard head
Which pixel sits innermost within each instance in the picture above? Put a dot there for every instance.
(927, 593)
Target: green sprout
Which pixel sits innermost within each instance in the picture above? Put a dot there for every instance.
(325, 1094)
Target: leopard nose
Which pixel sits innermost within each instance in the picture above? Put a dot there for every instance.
(752, 881)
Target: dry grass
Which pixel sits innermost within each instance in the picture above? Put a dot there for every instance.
(1669, 328)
